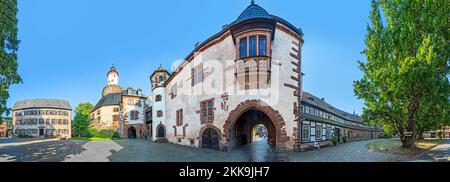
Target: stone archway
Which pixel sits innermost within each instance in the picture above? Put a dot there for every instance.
(207, 137)
(131, 132)
(274, 116)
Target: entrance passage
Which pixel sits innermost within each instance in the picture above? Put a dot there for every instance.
(41, 132)
(210, 139)
(161, 132)
(131, 133)
(255, 134)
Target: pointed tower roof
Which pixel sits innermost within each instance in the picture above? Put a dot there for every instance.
(253, 11)
(112, 69)
(160, 69)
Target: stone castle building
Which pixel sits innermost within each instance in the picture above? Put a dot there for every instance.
(247, 74)
(121, 110)
(42, 117)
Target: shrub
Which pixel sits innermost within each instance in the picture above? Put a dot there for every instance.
(334, 139)
(93, 133)
(440, 135)
(344, 138)
(386, 135)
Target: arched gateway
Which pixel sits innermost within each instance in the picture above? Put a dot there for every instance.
(131, 132)
(238, 127)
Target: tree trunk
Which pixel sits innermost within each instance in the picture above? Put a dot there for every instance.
(409, 142)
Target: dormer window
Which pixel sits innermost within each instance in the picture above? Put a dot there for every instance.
(253, 45)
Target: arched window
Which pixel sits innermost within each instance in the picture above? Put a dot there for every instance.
(158, 98)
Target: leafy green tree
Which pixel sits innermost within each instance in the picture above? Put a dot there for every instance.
(9, 46)
(80, 124)
(406, 77)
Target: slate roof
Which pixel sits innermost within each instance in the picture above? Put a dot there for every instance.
(42, 103)
(253, 11)
(318, 102)
(108, 100)
(133, 92)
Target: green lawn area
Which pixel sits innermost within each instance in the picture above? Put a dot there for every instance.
(93, 139)
(394, 146)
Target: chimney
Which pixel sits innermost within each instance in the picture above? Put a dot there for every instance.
(224, 26)
(323, 99)
(197, 44)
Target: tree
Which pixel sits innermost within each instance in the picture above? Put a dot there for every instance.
(405, 84)
(80, 123)
(9, 46)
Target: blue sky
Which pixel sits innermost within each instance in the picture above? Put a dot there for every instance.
(68, 46)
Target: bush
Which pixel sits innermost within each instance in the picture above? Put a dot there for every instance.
(440, 135)
(344, 139)
(386, 135)
(334, 139)
(93, 133)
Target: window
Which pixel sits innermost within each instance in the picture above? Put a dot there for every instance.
(207, 111)
(255, 45)
(98, 112)
(41, 121)
(116, 109)
(159, 114)
(59, 121)
(243, 47)
(53, 121)
(252, 46)
(180, 117)
(134, 115)
(65, 122)
(115, 117)
(305, 132)
(318, 133)
(173, 92)
(262, 45)
(158, 98)
(328, 132)
(197, 74)
(47, 121)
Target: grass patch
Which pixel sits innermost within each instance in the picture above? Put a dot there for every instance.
(93, 139)
(394, 146)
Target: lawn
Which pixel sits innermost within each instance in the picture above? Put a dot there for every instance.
(394, 146)
(92, 139)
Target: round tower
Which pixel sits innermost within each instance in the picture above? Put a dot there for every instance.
(113, 82)
(113, 76)
(158, 80)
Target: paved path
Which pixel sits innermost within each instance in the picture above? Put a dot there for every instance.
(355, 151)
(32, 150)
(37, 150)
(95, 151)
(440, 153)
(146, 151)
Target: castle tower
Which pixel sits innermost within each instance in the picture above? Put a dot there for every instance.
(113, 76)
(158, 80)
(113, 82)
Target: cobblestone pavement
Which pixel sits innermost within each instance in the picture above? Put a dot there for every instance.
(95, 151)
(32, 150)
(37, 150)
(440, 153)
(146, 151)
(355, 151)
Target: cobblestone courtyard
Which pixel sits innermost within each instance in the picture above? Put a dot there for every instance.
(33, 150)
